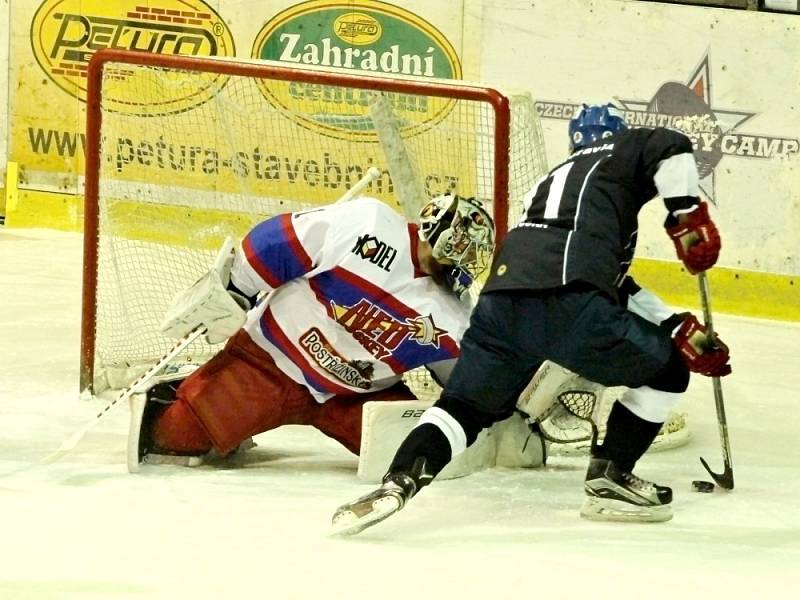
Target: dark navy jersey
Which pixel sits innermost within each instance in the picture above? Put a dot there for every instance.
(581, 219)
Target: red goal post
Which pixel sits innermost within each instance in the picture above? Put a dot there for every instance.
(182, 151)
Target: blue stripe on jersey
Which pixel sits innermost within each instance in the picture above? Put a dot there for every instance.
(274, 251)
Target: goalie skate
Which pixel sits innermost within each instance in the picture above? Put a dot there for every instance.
(616, 495)
(144, 408)
(374, 507)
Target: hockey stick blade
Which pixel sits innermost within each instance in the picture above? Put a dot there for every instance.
(137, 386)
(723, 480)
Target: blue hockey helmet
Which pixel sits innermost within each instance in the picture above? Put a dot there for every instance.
(593, 123)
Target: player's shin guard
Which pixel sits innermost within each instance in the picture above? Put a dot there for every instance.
(628, 437)
(426, 442)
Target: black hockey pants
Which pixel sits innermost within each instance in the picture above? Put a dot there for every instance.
(577, 326)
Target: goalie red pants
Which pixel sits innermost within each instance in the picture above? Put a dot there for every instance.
(241, 392)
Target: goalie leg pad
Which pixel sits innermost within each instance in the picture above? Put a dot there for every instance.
(516, 444)
(385, 425)
(341, 417)
(146, 408)
(146, 411)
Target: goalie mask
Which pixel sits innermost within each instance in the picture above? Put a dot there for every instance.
(461, 235)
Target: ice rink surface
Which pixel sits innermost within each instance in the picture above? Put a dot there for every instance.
(83, 528)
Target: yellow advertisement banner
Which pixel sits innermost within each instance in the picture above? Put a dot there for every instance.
(163, 130)
(49, 70)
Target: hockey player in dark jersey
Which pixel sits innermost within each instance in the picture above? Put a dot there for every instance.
(553, 293)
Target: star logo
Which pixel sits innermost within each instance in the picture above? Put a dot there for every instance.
(382, 333)
(425, 330)
(689, 107)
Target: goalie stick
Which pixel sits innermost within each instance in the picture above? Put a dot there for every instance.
(138, 386)
(372, 174)
(724, 479)
(408, 189)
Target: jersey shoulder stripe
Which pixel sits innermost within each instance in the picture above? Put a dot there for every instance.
(274, 251)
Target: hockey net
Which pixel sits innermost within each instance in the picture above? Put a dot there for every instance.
(182, 152)
(568, 426)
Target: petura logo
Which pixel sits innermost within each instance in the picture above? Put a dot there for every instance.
(357, 29)
(65, 34)
(369, 36)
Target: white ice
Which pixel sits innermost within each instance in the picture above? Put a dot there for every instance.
(83, 528)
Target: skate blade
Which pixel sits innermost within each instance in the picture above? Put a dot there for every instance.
(354, 518)
(604, 509)
(168, 459)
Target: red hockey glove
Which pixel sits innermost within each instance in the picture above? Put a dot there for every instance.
(696, 239)
(701, 354)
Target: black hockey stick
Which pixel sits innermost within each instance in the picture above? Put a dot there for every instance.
(724, 479)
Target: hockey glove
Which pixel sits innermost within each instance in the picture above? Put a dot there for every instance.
(209, 303)
(696, 239)
(702, 355)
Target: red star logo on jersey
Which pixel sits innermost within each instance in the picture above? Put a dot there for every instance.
(426, 331)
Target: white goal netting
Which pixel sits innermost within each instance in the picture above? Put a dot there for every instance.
(189, 151)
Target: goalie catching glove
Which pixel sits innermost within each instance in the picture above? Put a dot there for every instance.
(701, 354)
(696, 238)
(209, 303)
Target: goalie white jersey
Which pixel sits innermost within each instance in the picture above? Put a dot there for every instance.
(348, 309)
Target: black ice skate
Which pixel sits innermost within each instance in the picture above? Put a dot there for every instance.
(616, 495)
(376, 506)
(145, 407)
